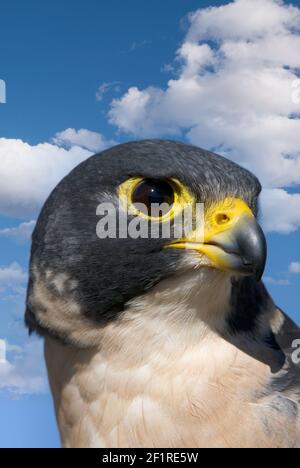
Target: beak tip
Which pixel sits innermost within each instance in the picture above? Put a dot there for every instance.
(253, 245)
(249, 245)
(262, 259)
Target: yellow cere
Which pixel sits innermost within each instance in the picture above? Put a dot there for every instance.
(220, 219)
(224, 215)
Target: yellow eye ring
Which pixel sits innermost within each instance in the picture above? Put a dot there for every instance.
(182, 198)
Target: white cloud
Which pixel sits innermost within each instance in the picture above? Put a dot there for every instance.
(20, 233)
(294, 267)
(12, 277)
(21, 366)
(102, 90)
(23, 371)
(243, 19)
(167, 68)
(91, 141)
(276, 282)
(233, 94)
(29, 172)
(105, 87)
(280, 211)
(2, 352)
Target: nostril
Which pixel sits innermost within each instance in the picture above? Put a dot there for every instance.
(222, 218)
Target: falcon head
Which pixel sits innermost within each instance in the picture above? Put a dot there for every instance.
(81, 282)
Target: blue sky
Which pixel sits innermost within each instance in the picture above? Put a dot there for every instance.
(54, 58)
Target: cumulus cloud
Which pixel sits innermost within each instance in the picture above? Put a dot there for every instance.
(235, 93)
(91, 141)
(12, 277)
(22, 370)
(280, 211)
(29, 172)
(294, 267)
(20, 233)
(2, 352)
(21, 366)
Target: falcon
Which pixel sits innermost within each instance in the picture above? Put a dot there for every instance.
(155, 341)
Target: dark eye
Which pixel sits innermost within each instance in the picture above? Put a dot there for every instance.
(151, 191)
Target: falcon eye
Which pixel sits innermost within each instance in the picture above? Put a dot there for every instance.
(159, 200)
(149, 192)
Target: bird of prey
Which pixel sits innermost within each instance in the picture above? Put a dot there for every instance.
(162, 342)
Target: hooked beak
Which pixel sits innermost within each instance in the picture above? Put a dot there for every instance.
(233, 240)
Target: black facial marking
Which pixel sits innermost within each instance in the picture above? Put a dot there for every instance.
(248, 300)
(249, 303)
(110, 272)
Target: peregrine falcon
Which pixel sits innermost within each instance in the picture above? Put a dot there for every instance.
(162, 342)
